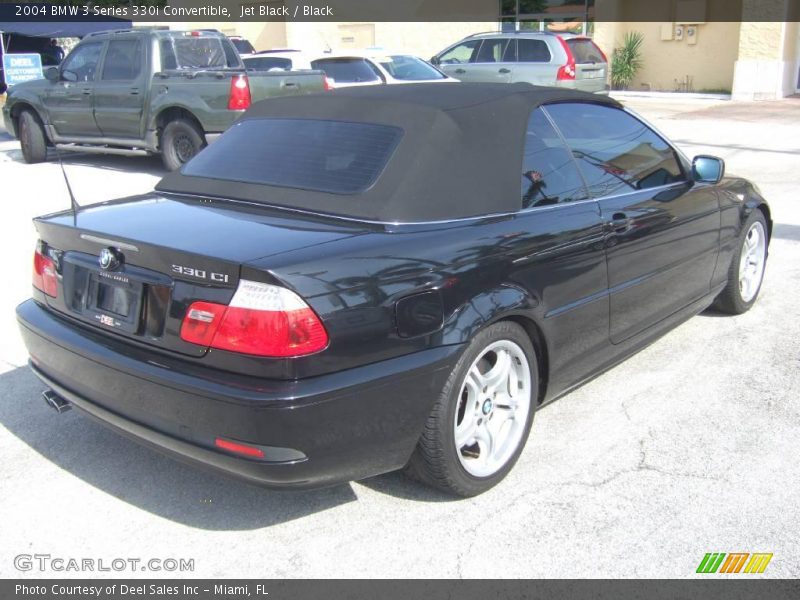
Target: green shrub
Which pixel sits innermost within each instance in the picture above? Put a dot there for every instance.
(626, 60)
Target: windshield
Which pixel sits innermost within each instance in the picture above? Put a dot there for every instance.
(329, 156)
(585, 51)
(409, 68)
(265, 63)
(243, 45)
(346, 70)
(194, 53)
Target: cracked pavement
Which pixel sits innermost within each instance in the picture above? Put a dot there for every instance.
(689, 447)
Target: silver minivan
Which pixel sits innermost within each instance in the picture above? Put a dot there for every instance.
(540, 58)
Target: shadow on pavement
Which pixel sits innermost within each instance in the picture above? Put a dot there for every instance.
(786, 232)
(150, 165)
(145, 478)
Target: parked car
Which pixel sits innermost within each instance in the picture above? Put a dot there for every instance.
(364, 67)
(137, 92)
(242, 45)
(561, 60)
(284, 60)
(388, 277)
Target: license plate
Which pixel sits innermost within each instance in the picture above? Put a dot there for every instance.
(114, 300)
(596, 74)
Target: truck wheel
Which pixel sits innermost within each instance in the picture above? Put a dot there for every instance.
(32, 138)
(180, 141)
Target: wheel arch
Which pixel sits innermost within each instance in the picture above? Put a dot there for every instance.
(172, 113)
(504, 303)
(17, 110)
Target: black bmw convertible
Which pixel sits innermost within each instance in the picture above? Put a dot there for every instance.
(384, 278)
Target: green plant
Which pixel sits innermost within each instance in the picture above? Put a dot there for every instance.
(626, 60)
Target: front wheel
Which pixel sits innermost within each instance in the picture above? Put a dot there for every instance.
(746, 271)
(481, 420)
(180, 142)
(32, 138)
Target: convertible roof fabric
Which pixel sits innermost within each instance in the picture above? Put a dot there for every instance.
(460, 155)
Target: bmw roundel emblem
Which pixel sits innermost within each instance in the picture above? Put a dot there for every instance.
(110, 259)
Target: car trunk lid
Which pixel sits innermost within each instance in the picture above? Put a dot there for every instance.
(132, 267)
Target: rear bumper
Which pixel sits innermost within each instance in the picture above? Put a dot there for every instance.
(314, 432)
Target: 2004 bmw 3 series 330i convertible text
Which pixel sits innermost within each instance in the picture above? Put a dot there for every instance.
(385, 278)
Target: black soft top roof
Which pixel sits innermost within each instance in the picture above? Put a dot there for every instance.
(460, 155)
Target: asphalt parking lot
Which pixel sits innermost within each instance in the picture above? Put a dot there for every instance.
(689, 447)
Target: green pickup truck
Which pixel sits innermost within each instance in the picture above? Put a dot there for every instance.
(143, 92)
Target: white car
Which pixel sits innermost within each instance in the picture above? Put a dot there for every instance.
(354, 68)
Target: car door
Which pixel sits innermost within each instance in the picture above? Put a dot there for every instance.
(534, 63)
(120, 90)
(70, 100)
(492, 63)
(563, 263)
(662, 230)
(456, 61)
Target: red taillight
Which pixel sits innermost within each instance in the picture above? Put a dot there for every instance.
(262, 320)
(566, 72)
(328, 83)
(239, 448)
(44, 274)
(239, 98)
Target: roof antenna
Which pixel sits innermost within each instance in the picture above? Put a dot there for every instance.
(73, 203)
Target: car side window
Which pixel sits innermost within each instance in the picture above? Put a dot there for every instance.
(492, 50)
(532, 51)
(549, 174)
(168, 58)
(82, 62)
(123, 60)
(461, 54)
(616, 152)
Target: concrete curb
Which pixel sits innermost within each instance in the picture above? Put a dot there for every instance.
(670, 95)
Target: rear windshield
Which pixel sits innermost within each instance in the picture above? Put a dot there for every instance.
(585, 51)
(409, 68)
(243, 46)
(197, 52)
(329, 156)
(265, 63)
(346, 70)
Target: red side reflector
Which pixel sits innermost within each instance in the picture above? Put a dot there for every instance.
(239, 448)
(44, 274)
(239, 98)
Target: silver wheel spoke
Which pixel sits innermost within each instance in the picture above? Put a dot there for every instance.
(494, 410)
(751, 264)
(465, 432)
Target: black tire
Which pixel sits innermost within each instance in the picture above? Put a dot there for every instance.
(32, 137)
(730, 300)
(181, 140)
(436, 461)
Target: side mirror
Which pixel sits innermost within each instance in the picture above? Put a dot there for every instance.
(708, 169)
(435, 60)
(52, 74)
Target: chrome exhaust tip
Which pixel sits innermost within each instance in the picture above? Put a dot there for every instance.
(56, 402)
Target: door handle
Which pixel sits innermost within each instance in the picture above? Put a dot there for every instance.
(504, 71)
(290, 84)
(619, 222)
(86, 92)
(460, 71)
(134, 91)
